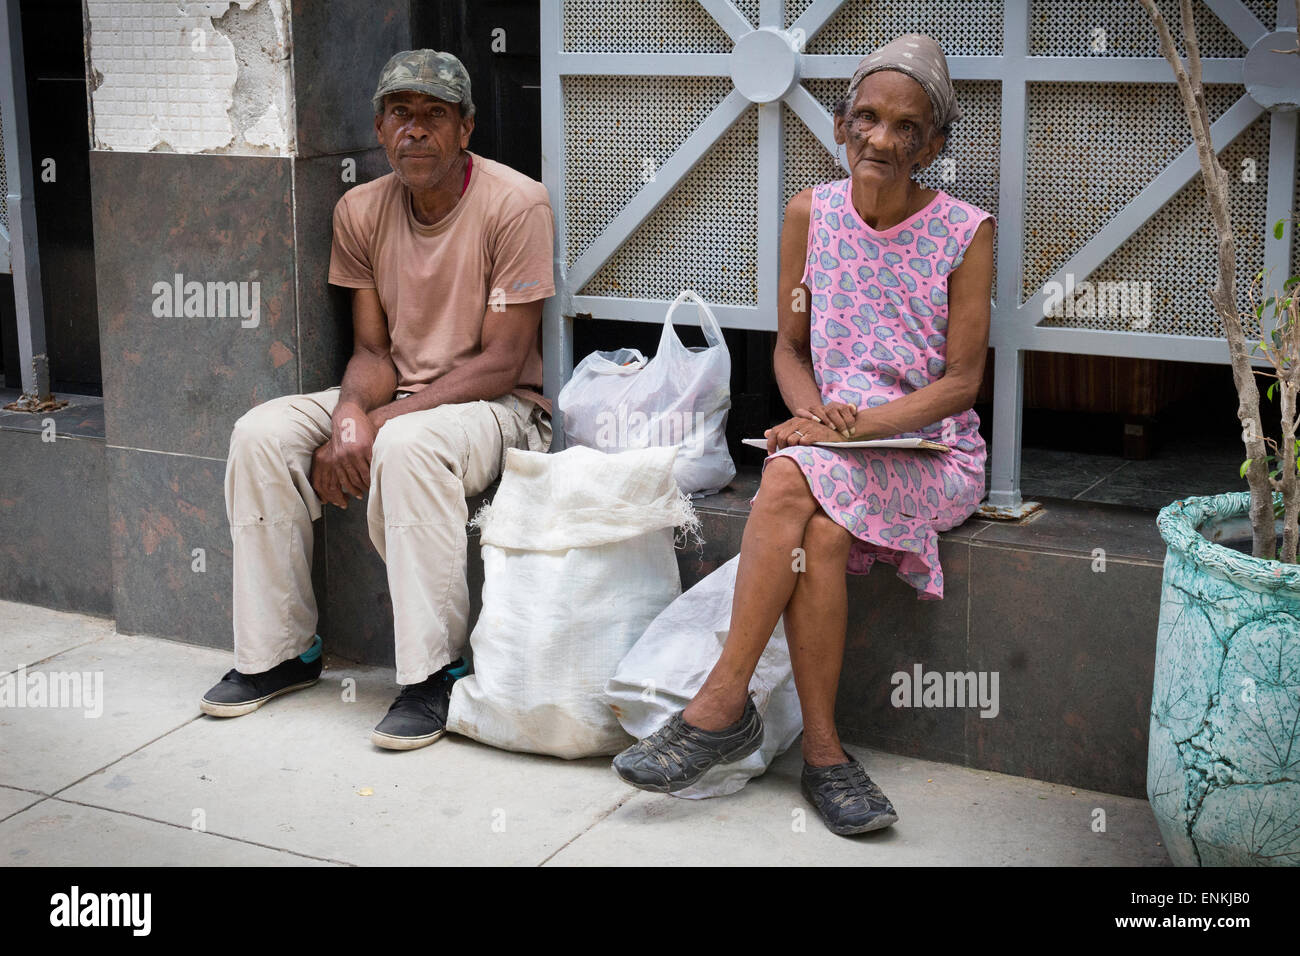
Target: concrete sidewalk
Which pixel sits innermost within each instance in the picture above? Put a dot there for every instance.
(152, 781)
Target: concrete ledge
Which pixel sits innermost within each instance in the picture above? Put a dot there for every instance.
(1062, 606)
(54, 541)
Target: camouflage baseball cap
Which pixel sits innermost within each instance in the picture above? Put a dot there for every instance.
(426, 71)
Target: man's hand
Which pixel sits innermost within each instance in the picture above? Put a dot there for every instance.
(840, 416)
(341, 466)
(798, 431)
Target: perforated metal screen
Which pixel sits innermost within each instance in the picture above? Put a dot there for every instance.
(1119, 28)
(705, 235)
(970, 28)
(618, 131)
(641, 26)
(1090, 149)
(1176, 252)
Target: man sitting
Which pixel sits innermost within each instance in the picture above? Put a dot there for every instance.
(449, 258)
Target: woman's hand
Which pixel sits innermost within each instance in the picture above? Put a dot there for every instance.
(839, 416)
(798, 431)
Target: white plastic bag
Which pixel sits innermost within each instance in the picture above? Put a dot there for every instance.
(663, 671)
(578, 559)
(619, 400)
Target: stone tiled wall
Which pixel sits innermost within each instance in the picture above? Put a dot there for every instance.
(243, 209)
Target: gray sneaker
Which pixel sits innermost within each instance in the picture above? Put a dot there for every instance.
(847, 799)
(677, 755)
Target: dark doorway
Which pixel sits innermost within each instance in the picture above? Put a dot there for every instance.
(60, 147)
(499, 42)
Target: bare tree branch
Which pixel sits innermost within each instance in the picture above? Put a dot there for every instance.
(1223, 295)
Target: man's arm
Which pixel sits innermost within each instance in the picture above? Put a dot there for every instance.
(508, 337)
(341, 466)
(370, 378)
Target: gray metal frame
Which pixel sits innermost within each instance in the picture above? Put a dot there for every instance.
(1015, 326)
(19, 245)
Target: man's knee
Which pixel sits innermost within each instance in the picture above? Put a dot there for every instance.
(260, 426)
(431, 439)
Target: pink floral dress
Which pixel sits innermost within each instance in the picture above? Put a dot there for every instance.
(879, 314)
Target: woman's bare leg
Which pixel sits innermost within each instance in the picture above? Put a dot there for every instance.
(765, 579)
(815, 623)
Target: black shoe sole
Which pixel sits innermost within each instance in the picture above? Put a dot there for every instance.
(216, 709)
(878, 822)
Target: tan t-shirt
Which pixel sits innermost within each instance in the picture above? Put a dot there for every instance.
(435, 283)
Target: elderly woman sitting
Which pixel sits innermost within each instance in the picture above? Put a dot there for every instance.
(898, 277)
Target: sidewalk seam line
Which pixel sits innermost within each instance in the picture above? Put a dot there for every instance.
(55, 793)
(211, 833)
(26, 808)
(51, 657)
(577, 836)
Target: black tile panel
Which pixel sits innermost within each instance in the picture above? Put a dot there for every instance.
(1074, 648)
(325, 311)
(339, 49)
(162, 508)
(54, 547)
(173, 383)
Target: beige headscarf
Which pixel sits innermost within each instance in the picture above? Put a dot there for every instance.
(921, 58)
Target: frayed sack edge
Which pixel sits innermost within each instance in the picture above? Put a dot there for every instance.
(685, 520)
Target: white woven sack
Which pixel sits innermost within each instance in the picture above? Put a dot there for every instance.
(578, 559)
(663, 671)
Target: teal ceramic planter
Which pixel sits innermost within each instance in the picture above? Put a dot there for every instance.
(1223, 761)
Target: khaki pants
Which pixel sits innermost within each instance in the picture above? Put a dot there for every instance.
(423, 466)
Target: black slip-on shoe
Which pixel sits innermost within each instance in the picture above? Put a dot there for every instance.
(419, 715)
(847, 799)
(238, 694)
(677, 754)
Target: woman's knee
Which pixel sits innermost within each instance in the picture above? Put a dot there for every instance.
(824, 537)
(785, 489)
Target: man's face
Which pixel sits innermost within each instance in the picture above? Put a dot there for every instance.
(423, 135)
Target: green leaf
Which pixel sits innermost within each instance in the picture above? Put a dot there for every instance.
(1277, 229)
(1269, 396)
(1245, 465)
(1290, 282)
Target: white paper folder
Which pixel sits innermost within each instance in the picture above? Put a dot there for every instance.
(873, 443)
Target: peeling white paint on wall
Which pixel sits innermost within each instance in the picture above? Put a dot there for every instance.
(191, 76)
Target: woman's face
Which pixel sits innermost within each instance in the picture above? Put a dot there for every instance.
(888, 129)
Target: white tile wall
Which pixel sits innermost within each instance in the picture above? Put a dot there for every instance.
(168, 77)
